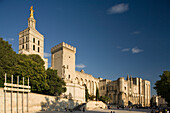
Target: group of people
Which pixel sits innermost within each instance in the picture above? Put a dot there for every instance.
(160, 111)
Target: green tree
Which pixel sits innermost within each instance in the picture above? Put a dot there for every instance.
(32, 66)
(104, 99)
(92, 97)
(97, 94)
(23, 66)
(86, 93)
(56, 84)
(28, 67)
(151, 102)
(8, 60)
(162, 86)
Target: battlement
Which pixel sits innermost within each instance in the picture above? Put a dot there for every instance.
(61, 45)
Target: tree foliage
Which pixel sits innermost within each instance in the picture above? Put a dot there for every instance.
(32, 66)
(92, 97)
(104, 99)
(29, 67)
(86, 93)
(56, 84)
(163, 86)
(97, 94)
(8, 60)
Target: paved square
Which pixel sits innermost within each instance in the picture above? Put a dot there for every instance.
(104, 111)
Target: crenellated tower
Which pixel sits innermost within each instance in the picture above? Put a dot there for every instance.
(63, 60)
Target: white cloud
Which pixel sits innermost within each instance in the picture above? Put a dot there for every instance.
(80, 66)
(11, 39)
(125, 49)
(119, 8)
(136, 32)
(47, 54)
(136, 50)
(118, 47)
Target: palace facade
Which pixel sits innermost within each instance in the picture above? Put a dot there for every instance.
(63, 56)
(126, 92)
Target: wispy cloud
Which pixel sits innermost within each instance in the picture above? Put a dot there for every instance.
(118, 47)
(133, 50)
(136, 50)
(8, 39)
(136, 33)
(11, 39)
(119, 8)
(125, 49)
(80, 66)
(47, 54)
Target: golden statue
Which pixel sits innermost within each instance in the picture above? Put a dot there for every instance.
(31, 12)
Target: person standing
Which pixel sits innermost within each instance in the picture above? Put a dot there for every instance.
(83, 109)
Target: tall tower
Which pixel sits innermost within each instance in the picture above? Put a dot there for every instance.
(31, 41)
(63, 60)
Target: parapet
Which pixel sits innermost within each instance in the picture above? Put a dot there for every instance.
(121, 78)
(61, 45)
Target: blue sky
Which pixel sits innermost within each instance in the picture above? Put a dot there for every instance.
(113, 37)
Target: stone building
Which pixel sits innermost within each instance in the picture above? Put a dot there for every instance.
(31, 41)
(103, 86)
(63, 60)
(127, 92)
(63, 57)
(158, 101)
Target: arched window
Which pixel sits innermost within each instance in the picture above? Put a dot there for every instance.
(38, 42)
(26, 46)
(38, 49)
(27, 39)
(33, 40)
(68, 76)
(33, 47)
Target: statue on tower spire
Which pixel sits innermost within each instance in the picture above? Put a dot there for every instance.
(31, 12)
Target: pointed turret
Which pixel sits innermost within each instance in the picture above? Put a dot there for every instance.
(31, 20)
(128, 77)
(131, 77)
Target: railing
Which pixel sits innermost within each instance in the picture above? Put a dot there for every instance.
(16, 88)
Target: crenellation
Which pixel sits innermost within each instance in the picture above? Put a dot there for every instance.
(63, 45)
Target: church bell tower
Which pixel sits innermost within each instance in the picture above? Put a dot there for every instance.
(31, 41)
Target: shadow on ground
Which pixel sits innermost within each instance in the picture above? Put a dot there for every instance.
(57, 105)
(70, 112)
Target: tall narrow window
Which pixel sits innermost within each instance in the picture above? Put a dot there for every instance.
(27, 39)
(26, 46)
(38, 49)
(23, 46)
(33, 40)
(38, 42)
(33, 47)
(23, 40)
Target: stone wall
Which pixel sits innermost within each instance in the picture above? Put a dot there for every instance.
(76, 91)
(36, 102)
(90, 81)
